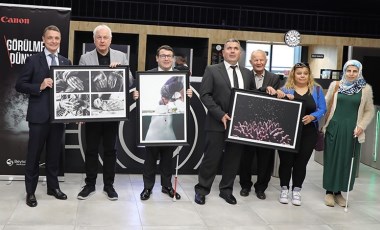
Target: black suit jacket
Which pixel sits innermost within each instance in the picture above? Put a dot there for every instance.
(215, 93)
(35, 70)
(270, 79)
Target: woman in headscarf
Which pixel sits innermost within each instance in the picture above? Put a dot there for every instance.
(351, 111)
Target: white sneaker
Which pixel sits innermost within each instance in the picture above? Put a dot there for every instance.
(296, 196)
(284, 195)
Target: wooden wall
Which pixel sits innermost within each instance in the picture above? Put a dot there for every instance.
(332, 47)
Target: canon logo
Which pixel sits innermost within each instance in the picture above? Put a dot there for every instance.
(5, 19)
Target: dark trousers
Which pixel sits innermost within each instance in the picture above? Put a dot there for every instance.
(265, 162)
(214, 146)
(165, 155)
(49, 135)
(293, 165)
(95, 133)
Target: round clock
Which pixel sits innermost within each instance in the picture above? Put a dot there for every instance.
(292, 38)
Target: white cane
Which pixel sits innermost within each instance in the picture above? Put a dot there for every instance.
(176, 179)
(349, 178)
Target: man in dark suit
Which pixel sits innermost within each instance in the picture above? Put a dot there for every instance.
(105, 131)
(165, 59)
(35, 81)
(268, 82)
(215, 94)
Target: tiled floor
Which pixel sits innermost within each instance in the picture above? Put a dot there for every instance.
(160, 212)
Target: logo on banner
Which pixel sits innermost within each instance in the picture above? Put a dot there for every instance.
(16, 162)
(5, 19)
(9, 162)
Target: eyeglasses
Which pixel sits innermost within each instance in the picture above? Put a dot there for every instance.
(301, 64)
(163, 56)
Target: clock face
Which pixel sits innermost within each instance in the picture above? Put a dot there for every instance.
(292, 38)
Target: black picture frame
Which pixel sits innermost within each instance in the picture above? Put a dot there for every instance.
(89, 93)
(262, 120)
(162, 108)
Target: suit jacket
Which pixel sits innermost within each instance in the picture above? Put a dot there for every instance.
(270, 79)
(91, 58)
(35, 70)
(215, 94)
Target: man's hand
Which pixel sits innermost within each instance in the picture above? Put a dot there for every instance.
(271, 91)
(47, 83)
(136, 95)
(189, 92)
(114, 64)
(67, 105)
(225, 119)
(75, 82)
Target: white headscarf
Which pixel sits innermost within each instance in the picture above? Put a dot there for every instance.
(351, 87)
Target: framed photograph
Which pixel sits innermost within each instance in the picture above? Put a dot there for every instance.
(263, 120)
(163, 108)
(89, 93)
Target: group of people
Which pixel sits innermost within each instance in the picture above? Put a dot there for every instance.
(351, 111)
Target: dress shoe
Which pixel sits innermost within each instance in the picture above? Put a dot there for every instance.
(229, 198)
(261, 195)
(145, 194)
(170, 192)
(245, 191)
(200, 199)
(31, 200)
(57, 193)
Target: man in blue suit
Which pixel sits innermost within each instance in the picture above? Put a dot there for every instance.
(36, 82)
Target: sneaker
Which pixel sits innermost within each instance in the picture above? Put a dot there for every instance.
(284, 195)
(86, 192)
(110, 192)
(296, 196)
(339, 199)
(329, 200)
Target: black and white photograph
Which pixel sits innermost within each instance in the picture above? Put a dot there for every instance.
(262, 120)
(72, 105)
(107, 104)
(163, 108)
(72, 82)
(89, 93)
(107, 81)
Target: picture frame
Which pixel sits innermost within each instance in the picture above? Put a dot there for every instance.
(162, 108)
(262, 120)
(89, 93)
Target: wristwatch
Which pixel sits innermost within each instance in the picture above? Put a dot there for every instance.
(292, 38)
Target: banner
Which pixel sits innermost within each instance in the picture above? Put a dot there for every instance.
(21, 28)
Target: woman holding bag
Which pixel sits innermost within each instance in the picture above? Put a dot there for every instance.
(351, 103)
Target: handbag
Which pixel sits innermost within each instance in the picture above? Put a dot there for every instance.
(320, 144)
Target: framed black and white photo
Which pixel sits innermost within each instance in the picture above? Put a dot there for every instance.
(163, 108)
(263, 120)
(89, 93)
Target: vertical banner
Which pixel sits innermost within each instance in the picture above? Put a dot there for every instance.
(21, 28)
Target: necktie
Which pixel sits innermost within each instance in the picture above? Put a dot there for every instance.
(236, 82)
(53, 62)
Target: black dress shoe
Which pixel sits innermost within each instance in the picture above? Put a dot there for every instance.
(31, 200)
(261, 195)
(57, 193)
(170, 192)
(229, 198)
(200, 199)
(145, 194)
(245, 191)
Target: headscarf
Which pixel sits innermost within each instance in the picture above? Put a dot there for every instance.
(347, 87)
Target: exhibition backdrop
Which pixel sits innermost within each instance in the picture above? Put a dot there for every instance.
(21, 28)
